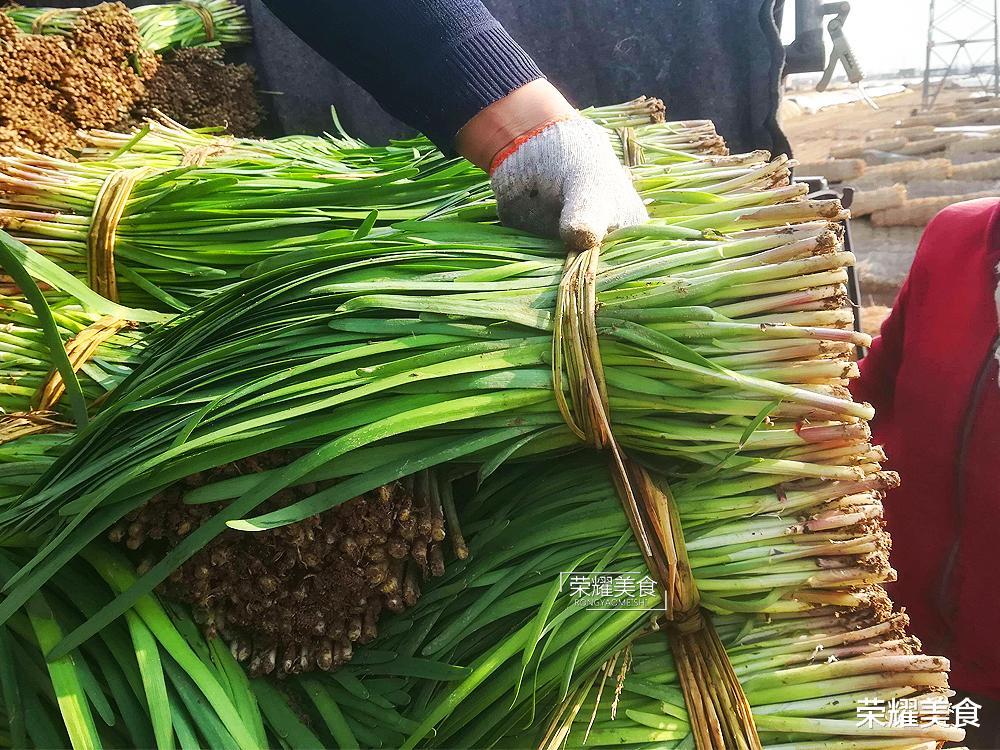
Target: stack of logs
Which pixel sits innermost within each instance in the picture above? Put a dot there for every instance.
(959, 149)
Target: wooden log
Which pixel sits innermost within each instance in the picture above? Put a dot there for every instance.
(930, 145)
(835, 170)
(881, 134)
(988, 116)
(884, 175)
(972, 102)
(931, 118)
(857, 150)
(977, 170)
(972, 144)
(878, 199)
(916, 213)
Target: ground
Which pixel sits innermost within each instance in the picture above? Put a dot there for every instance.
(812, 135)
(885, 241)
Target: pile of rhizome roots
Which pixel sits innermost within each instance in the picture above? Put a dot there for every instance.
(297, 597)
(197, 88)
(99, 76)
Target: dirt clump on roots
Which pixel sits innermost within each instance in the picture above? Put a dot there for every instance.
(296, 597)
(196, 87)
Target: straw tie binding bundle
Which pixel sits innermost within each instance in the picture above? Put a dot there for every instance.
(632, 154)
(17, 425)
(38, 25)
(79, 349)
(720, 713)
(198, 156)
(109, 207)
(206, 17)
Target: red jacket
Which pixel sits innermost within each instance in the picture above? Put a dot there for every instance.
(932, 377)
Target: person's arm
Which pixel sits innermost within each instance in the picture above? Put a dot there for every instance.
(449, 69)
(433, 64)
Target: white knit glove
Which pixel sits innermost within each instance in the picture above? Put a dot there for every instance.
(566, 181)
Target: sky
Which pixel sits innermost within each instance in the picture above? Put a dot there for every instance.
(888, 35)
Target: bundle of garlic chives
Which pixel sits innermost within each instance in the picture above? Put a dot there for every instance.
(726, 360)
(799, 693)
(193, 24)
(811, 680)
(806, 669)
(184, 231)
(161, 27)
(470, 304)
(166, 143)
(668, 141)
(472, 271)
(639, 111)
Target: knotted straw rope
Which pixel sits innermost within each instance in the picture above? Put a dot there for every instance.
(79, 350)
(109, 206)
(718, 709)
(206, 17)
(22, 423)
(632, 154)
(198, 156)
(38, 25)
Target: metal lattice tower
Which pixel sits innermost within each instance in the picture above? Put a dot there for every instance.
(962, 33)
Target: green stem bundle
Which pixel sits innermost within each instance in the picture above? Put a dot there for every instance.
(186, 231)
(455, 347)
(376, 352)
(194, 23)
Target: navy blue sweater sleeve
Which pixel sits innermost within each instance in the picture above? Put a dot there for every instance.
(431, 63)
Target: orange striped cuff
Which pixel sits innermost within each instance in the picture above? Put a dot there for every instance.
(515, 144)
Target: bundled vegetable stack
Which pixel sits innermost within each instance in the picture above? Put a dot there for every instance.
(161, 27)
(301, 597)
(51, 86)
(66, 69)
(198, 208)
(435, 385)
(198, 87)
(172, 156)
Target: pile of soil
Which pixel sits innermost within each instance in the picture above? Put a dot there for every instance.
(297, 597)
(196, 87)
(99, 76)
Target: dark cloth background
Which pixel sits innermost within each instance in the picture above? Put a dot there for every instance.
(715, 59)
